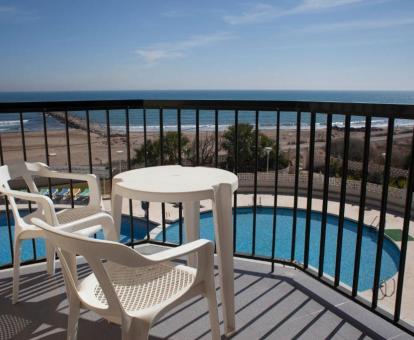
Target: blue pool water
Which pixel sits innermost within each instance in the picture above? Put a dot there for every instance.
(390, 256)
(140, 229)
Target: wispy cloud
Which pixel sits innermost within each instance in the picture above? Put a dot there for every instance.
(359, 25)
(311, 45)
(257, 13)
(7, 9)
(264, 12)
(175, 13)
(157, 52)
(315, 5)
(13, 14)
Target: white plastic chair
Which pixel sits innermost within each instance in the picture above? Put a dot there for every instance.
(87, 220)
(128, 288)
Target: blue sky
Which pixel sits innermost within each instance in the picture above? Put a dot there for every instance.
(291, 44)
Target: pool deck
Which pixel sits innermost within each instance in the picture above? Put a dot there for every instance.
(351, 212)
(286, 304)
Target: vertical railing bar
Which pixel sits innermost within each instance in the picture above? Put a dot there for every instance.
(383, 212)
(361, 214)
(128, 152)
(161, 112)
(405, 230)
(47, 150)
(296, 189)
(88, 135)
(108, 141)
(325, 194)
(68, 156)
(164, 236)
(197, 141)
(342, 201)
(275, 193)
(236, 161)
(144, 117)
(6, 201)
(23, 136)
(256, 165)
(25, 159)
(216, 139)
(180, 205)
(179, 136)
(310, 188)
(128, 138)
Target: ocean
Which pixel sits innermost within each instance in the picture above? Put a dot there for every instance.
(33, 121)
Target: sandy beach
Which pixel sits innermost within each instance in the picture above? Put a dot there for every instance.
(78, 140)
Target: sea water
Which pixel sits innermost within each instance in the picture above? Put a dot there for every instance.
(267, 120)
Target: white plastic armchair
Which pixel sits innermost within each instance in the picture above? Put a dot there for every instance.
(88, 220)
(128, 288)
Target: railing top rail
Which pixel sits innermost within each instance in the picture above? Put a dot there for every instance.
(364, 109)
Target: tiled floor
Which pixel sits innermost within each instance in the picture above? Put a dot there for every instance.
(284, 305)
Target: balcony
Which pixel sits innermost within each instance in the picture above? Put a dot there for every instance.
(284, 304)
(322, 232)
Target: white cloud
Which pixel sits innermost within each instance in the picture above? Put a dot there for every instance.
(359, 24)
(258, 13)
(312, 5)
(264, 12)
(7, 9)
(157, 52)
(174, 13)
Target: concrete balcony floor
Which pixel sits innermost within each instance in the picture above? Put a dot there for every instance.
(284, 305)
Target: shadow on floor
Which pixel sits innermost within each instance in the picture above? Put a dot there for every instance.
(286, 304)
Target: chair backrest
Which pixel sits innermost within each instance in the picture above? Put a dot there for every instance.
(23, 170)
(20, 169)
(95, 252)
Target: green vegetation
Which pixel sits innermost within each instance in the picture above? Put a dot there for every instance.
(246, 142)
(170, 150)
(246, 150)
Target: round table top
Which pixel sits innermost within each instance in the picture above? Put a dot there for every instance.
(172, 182)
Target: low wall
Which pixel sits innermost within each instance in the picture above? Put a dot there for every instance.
(372, 167)
(286, 184)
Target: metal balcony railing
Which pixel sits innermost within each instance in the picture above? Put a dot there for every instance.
(254, 180)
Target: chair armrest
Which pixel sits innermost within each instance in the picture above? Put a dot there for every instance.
(44, 202)
(102, 219)
(85, 222)
(187, 248)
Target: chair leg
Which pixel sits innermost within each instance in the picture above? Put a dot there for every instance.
(16, 269)
(50, 258)
(212, 307)
(136, 329)
(74, 312)
(109, 230)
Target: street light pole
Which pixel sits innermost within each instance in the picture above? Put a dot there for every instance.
(120, 152)
(51, 154)
(268, 150)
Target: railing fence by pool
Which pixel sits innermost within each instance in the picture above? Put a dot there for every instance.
(346, 181)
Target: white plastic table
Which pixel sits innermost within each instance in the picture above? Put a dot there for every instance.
(189, 185)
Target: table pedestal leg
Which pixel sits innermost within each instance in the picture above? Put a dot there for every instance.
(192, 226)
(223, 225)
(116, 208)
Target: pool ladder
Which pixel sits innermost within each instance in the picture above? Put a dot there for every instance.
(384, 289)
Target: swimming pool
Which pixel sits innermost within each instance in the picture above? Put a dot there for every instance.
(140, 230)
(390, 255)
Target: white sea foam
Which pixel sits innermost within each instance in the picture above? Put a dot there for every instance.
(378, 123)
(10, 123)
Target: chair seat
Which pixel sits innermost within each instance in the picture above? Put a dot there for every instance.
(70, 215)
(139, 288)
